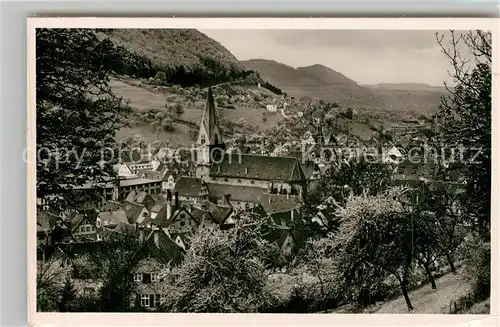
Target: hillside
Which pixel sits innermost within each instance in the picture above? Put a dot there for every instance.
(173, 47)
(245, 114)
(187, 56)
(316, 81)
(321, 82)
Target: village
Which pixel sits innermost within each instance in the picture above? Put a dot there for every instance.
(161, 202)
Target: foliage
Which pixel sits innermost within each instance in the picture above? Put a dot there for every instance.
(161, 77)
(222, 271)
(375, 238)
(49, 276)
(77, 114)
(465, 119)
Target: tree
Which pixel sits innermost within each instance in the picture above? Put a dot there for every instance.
(77, 113)
(67, 301)
(375, 238)
(161, 77)
(440, 205)
(222, 271)
(465, 117)
(426, 238)
(49, 277)
(178, 110)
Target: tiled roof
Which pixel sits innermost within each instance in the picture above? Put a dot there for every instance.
(137, 181)
(112, 205)
(219, 212)
(259, 168)
(167, 251)
(157, 207)
(78, 218)
(274, 203)
(235, 192)
(114, 217)
(189, 186)
(137, 197)
(151, 174)
(132, 210)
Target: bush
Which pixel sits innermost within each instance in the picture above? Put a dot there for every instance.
(161, 77)
(478, 266)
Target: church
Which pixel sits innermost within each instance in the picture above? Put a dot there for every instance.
(242, 179)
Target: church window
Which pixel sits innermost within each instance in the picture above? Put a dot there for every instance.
(202, 139)
(285, 191)
(252, 182)
(239, 181)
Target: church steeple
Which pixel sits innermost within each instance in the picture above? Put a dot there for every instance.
(209, 133)
(210, 143)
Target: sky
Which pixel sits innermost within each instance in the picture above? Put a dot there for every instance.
(367, 57)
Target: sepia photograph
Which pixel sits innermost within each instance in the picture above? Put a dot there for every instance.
(207, 170)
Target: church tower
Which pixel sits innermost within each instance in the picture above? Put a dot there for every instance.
(210, 145)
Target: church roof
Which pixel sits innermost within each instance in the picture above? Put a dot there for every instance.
(258, 167)
(236, 192)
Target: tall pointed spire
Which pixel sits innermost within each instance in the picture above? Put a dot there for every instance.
(209, 127)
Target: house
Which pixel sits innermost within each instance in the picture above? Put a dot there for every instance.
(45, 222)
(111, 218)
(124, 170)
(241, 197)
(86, 227)
(191, 189)
(150, 174)
(141, 197)
(157, 253)
(168, 181)
(135, 212)
(271, 107)
(150, 186)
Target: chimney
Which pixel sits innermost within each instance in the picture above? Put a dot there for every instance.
(169, 209)
(287, 196)
(141, 234)
(246, 170)
(156, 236)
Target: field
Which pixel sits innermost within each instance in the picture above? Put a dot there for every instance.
(142, 99)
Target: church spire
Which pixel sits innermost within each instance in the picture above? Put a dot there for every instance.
(210, 143)
(209, 127)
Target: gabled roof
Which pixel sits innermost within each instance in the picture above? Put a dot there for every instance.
(236, 192)
(166, 251)
(190, 186)
(45, 221)
(219, 213)
(112, 205)
(133, 210)
(258, 167)
(137, 197)
(78, 218)
(113, 217)
(276, 203)
(169, 173)
(151, 174)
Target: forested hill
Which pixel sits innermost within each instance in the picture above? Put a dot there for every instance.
(187, 56)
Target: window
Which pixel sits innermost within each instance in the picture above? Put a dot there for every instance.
(155, 277)
(87, 229)
(138, 278)
(225, 180)
(183, 223)
(239, 181)
(252, 182)
(145, 300)
(82, 229)
(98, 222)
(99, 237)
